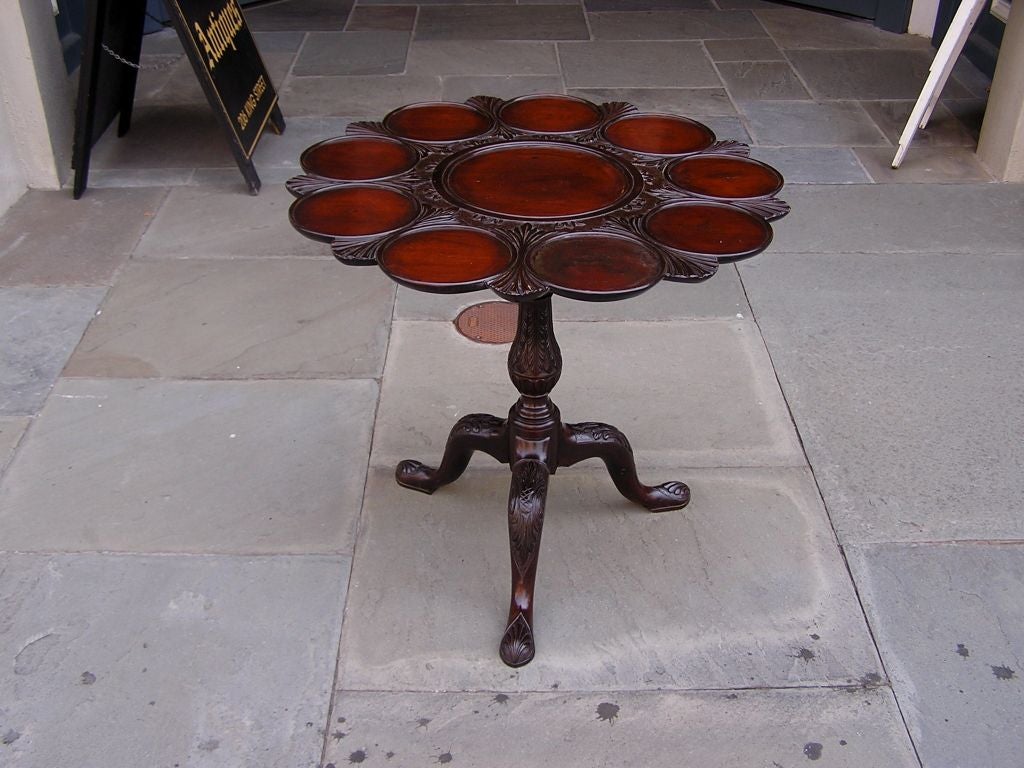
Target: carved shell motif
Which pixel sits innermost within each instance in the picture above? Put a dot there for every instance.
(514, 195)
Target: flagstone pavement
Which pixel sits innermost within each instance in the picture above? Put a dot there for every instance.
(205, 561)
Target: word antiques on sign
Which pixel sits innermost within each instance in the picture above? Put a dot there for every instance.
(226, 61)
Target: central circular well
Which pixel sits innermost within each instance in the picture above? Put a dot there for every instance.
(537, 180)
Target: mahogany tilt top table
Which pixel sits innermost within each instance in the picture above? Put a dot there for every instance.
(530, 197)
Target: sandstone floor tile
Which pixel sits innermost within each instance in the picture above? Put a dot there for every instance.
(126, 178)
(222, 222)
(800, 28)
(503, 86)
(123, 661)
(300, 15)
(814, 165)
(635, 64)
(744, 49)
(397, 17)
(924, 165)
(745, 587)
(155, 140)
(720, 297)
(48, 238)
(727, 127)
(867, 74)
(811, 124)
(277, 151)
(353, 53)
(892, 218)
(726, 411)
(944, 129)
(239, 319)
(650, 729)
(11, 431)
(762, 80)
(647, 5)
(368, 95)
(191, 466)
(39, 327)
(897, 368)
(482, 57)
(692, 102)
(950, 626)
(502, 22)
(675, 25)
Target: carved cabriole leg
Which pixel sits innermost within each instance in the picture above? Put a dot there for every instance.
(525, 523)
(474, 432)
(592, 439)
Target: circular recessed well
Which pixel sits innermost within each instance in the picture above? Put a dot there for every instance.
(536, 180)
(550, 114)
(713, 229)
(656, 134)
(437, 122)
(358, 158)
(445, 259)
(724, 177)
(358, 210)
(596, 266)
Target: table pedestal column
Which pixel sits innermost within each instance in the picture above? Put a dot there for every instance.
(534, 442)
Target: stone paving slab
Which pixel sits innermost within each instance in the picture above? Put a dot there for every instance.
(283, 150)
(615, 64)
(502, 22)
(924, 165)
(372, 95)
(397, 17)
(686, 394)
(899, 372)
(766, 80)
(813, 165)
(660, 730)
(721, 297)
(950, 625)
(353, 53)
(895, 218)
(743, 588)
(94, 236)
(811, 124)
(796, 28)
(11, 431)
(693, 102)
(301, 15)
(239, 319)
(744, 49)
(122, 661)
(223, 222)
(458, 88)
(156, 140)
(40, 327)
(868, 74)
(482, 57)
(944, 129)
(191, 466)
(675, 25)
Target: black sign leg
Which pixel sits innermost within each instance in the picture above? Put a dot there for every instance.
(132, 52)
(277, 120)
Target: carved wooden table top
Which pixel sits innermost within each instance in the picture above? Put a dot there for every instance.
(531, 197)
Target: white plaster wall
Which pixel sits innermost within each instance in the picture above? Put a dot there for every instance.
(37, 93)
(12, 178)
(922, 17)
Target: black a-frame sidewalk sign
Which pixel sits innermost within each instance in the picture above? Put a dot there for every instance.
(223, 55)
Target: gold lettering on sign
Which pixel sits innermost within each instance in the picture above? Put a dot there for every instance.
(251, 101)
(219, 35)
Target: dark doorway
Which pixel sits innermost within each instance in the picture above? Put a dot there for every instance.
(890, 15)
(982, 47)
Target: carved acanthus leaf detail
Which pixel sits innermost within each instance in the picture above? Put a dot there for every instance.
(367, 128)
(516, 282)
(308, 183)
(769, 208)
(358, 253)
(729, 147)
(526, 511)
(489, 105)
(517, 644)
(688, 267)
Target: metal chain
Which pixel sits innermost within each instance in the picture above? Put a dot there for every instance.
(133, 65)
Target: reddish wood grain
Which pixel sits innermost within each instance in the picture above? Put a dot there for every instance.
(357, 158)
(596, 265)
(437, 122)
(709, 228)
(550, 114)
(352, 211)
(537, 180)
(725, 177)
(659, 134)
(448, 258)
